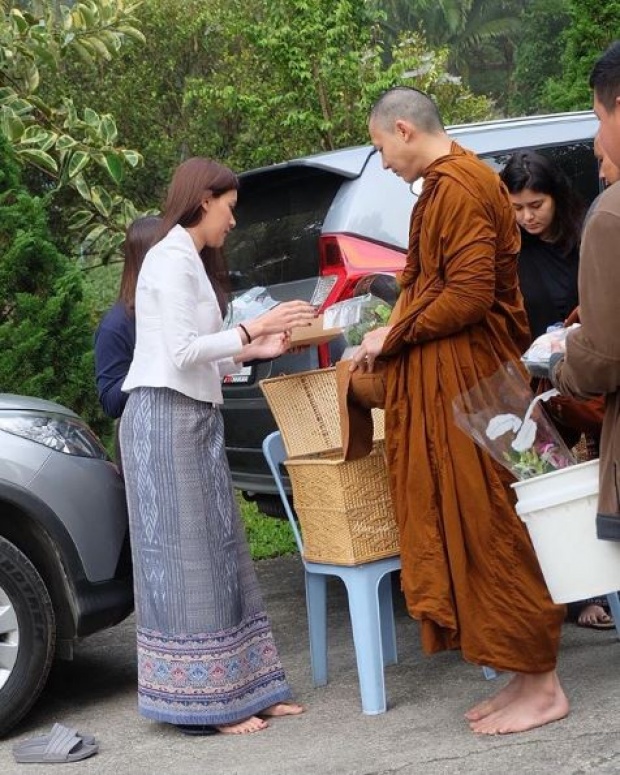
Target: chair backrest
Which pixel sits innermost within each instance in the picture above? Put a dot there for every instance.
(275, 454)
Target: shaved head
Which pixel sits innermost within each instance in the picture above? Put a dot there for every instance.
(407, 104)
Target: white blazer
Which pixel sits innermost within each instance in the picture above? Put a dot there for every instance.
(180, 343)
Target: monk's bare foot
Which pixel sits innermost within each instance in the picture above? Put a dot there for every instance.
(498, 701)
(540, 700)
(245, 727)
(283, 709)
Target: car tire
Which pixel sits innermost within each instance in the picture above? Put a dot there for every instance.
(26, 621)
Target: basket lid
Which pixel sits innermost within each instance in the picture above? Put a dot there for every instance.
(305, 408)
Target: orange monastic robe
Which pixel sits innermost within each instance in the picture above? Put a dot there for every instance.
(469, 571)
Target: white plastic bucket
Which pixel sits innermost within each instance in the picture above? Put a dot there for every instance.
(559, 510)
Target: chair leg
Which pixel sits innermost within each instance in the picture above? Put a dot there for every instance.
(316, 605)
(614, 606)
(388, 628)
(362, 590)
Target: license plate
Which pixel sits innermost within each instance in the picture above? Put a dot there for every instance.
(242, 376)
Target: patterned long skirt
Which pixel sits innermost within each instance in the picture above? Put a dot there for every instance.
(206, 654)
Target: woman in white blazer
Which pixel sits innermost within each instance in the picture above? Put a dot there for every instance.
(206, 656)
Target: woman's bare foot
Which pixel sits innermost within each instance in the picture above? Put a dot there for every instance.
(539, 700)
(283, 709)
(498, 701)
(245, 727)
(595, 616)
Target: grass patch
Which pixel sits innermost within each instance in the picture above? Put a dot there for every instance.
(267, 536)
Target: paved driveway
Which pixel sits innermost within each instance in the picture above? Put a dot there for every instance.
(422, 734)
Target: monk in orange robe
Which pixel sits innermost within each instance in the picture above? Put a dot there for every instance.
(469, 572)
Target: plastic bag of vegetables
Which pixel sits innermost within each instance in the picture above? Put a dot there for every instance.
(357, 316)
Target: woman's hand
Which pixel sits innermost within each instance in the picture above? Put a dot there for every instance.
(283, 317)
(370, 349)
(266, 347)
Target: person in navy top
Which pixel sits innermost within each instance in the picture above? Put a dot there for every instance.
(115, 337)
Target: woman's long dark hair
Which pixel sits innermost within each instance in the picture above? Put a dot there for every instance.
(194, 181)
(140, 236)
(528, 169)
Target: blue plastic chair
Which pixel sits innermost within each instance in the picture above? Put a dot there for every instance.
(613, 599)
(369, 591)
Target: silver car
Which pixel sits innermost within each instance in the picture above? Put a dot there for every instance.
(312, 227)
(65, 565)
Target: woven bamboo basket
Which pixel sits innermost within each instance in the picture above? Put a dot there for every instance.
(344, 507)
(305, 408)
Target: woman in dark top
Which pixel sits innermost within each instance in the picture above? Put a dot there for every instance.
(550, 216)
(115, 337)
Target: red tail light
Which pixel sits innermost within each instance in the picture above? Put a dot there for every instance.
(344, 259)
(355, 254)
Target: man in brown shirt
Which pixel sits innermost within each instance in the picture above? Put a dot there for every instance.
(592, 362)
(469, 573)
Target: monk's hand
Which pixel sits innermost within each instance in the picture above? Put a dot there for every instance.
(370, 349)
(574, 317)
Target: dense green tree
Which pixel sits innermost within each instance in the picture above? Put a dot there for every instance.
(461, 25)
(593, 26)
(298, 76)
(144, 89)
(538, 57)
(64, 145)
(479, 35)
(45, 325)
(252, 82)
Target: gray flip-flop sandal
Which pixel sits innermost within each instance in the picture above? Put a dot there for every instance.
(61, 745)
(43, 739)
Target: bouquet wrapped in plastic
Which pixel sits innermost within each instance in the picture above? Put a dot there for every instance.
(248, 305)
(536, 357)
(357, 316)
(502, 415)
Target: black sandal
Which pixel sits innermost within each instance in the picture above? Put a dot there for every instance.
(197, 730)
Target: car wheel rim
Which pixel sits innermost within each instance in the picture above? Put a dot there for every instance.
(9, 637)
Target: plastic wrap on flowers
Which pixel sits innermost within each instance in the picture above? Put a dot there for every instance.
(536, 357)
(248, 305)
(502, 415)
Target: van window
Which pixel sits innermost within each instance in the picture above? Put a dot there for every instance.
(576, 159)
(279, 216)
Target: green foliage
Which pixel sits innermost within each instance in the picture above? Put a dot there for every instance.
(461, 25)
(45, 326)
(67, 145)
(479, 35)
(416, 64)
(539, 54)
(252, 82)
(101, 286)
(267, 537)
(298, 76)
(144, 86)
(593, 26)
